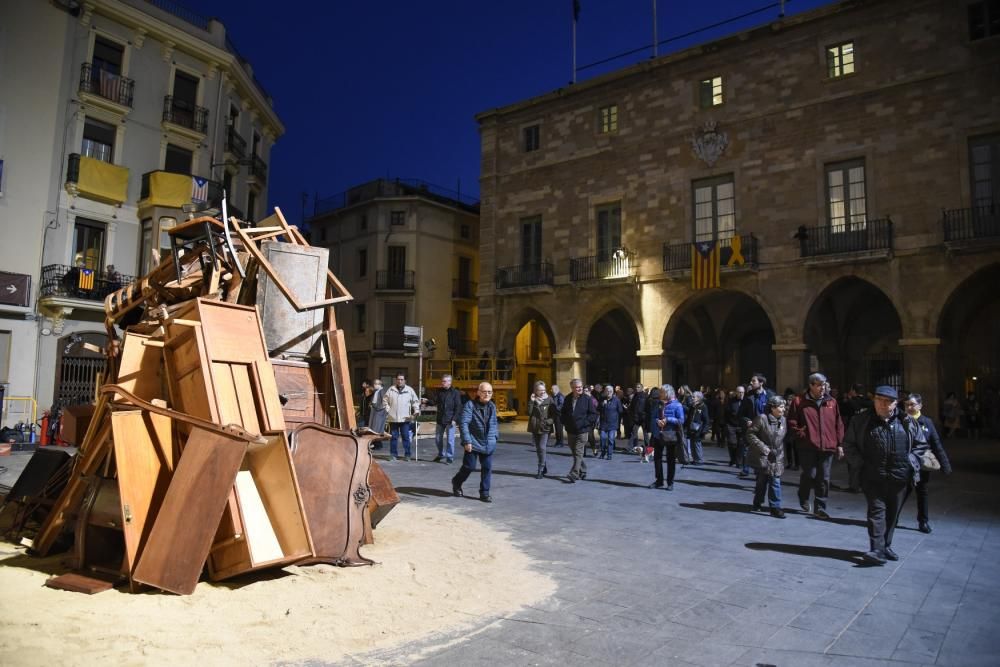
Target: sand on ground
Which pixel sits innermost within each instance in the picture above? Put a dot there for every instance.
(438, 573)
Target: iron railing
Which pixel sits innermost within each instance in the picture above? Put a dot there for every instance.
(966, 224)
(867, 236)
(102, 83)
(236, 144)
(388, 340)
(677, 256)
(214, 191)
(397, 280)
(524, 275)
(185, 114)
(463, 289)
(619, 263)
(258, 169)
(59, 280)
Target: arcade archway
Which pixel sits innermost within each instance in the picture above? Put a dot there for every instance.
(718, 340)
(533, 345)
(852, 334)
(969, 328)
(611, 350)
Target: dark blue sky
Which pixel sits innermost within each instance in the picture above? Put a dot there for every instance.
(390, 88)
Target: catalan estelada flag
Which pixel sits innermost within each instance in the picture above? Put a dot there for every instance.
(86, 279)
(704, 264)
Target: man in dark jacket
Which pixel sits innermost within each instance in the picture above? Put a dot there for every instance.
(448, 401)
(881, 442)
(558, 398)
(734, 424)
(640, 419)
(754, 403)
(480, 433)
(579, 416)
(814, 420)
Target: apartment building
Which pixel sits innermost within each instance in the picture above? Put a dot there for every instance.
(844, 164)
(118, 118)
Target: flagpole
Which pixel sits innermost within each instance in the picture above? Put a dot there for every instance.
(654, 30)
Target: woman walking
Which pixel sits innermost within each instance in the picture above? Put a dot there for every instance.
(766, 455)
(697, 425)
(541, 422)
(914, 404)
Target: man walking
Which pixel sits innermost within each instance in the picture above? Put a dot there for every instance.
(881, 442)
(402, 406)
(814, 419)
(558, 398)
(754, 403)
(638, 410)
(579, 415)
(478, 424)
(449, 406)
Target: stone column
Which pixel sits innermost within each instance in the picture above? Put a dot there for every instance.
(569, 365)
(790, 366)
(920, 371)
(650, 367)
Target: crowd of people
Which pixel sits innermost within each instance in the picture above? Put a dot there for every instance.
(890, 447)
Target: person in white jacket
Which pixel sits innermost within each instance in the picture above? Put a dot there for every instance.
(402, 406)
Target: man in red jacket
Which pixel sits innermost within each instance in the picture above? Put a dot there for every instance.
(814, 420)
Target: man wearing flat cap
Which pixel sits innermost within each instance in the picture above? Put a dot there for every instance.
(883, 443)
(815, 424)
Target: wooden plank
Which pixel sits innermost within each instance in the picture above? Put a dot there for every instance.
(78, 583)
(142, 461)
(261, 538)
(139, 367)
(181, 537)
(384, 496)
(340, 380)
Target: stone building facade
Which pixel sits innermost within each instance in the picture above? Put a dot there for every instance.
(409, 254)
(118, 118)
(845, 162)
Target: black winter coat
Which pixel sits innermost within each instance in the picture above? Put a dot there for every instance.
(580, 419)
(883, 447)
(637, 408)
(926, 425)
(698, 422)
(449, 405)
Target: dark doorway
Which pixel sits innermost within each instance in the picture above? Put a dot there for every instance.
(969, 329)
(611, 350)
(852, 334)
(718, 340)
(78, 369)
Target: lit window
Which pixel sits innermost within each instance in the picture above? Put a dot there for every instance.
(840, 60)
(609, 119)
(710, 92)
(847, 204)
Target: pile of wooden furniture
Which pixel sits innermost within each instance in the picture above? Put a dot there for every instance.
(228, 439)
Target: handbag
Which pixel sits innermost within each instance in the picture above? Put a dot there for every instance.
(928, 461)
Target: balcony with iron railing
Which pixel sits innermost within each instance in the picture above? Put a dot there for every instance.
(735, 253)
(389, 340)
(96, 179)
(257, 169)
(170, 190)
(70, 282)
(525, 275)
(235, 144)
(394, 280)
(105, 85)
(183, 113)
(962, 225)
(870, 237)
(617, 264)
(463, 289)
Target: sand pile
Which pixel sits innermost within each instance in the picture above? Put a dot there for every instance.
(438, 571)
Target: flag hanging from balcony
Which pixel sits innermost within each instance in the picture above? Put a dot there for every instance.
(704, 264)
(199, 189)
(85, 279)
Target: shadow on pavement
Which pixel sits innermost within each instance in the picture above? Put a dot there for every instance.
(840, 522)
(716, 506)
(422, 492)
(806, 550)
(713, 485)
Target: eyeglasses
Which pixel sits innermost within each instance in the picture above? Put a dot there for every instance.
(485, 391)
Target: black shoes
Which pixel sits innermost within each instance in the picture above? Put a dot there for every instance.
(777, 513)
(805, 506)
(670, 487)
(820, 513)
(486, 499)
(890, 554)
(925, 527)
(539, 475)
(756, 508)
(655, 485)
(874, 558)
(571, 479)
(437, 459)
(457, 491)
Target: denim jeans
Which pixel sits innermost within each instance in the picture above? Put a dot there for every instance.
(397, 430)
(541, 440)
(469, 460)
(608, 442)
(769, 485)
(445, 446)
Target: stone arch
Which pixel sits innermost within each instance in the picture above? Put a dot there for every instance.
(718, 338)
(612, 347)
(590, 316)
(851, 331)
(968, 326)
(530, 338)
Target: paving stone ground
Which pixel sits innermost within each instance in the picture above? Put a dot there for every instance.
(692, 577)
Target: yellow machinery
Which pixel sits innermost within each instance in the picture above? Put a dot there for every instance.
(466, 374)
